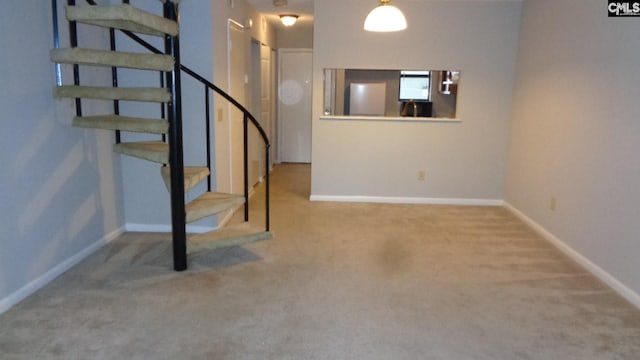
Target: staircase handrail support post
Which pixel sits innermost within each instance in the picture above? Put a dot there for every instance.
(73, 42)
(245, 144)
(56, 39)
(114, 80)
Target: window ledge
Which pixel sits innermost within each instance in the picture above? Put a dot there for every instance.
(408, 119)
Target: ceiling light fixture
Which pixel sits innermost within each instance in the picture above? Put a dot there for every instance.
(385, 18)
(288, 19)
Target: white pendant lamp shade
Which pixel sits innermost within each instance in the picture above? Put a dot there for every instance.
(385, 18)
(288, 19)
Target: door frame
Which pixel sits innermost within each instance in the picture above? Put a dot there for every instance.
(235, 168)
(279, 110)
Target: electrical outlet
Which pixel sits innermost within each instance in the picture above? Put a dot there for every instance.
(421, 175)
(553, 203)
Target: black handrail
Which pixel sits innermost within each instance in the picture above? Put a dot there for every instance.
(246, 116)
(227, 97)
(199, 78)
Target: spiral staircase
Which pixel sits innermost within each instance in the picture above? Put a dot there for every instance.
(167, 152)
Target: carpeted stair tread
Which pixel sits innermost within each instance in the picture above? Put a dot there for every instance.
(125, 17)
(233, 235)
(211, 203)
(112, 93)
(193, 175)
(124, 123)
(130, 60)
(156, 151)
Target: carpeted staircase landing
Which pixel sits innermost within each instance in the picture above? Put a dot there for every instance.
(130, 18)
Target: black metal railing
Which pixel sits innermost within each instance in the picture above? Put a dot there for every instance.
(247, 117)
(173, 113)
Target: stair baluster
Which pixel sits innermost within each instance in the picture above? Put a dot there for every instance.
(114, 79)
(73, 42)
(207, 120)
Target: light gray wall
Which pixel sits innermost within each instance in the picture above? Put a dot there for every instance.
(381, 159)
(147, 200)
(576, 134)
(61, 191)
(263, 32)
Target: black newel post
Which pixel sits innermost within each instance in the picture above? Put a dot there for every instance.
(176, 161)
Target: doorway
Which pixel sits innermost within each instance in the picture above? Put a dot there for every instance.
(237, 75)
(262, 104)
(294, 105)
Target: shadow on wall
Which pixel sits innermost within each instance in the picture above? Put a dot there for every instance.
(61, 179)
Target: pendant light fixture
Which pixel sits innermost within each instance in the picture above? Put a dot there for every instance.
(385, 18)
(288, 19)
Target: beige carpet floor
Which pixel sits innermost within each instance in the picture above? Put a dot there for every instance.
(339, 281)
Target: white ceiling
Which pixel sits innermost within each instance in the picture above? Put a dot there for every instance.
(295, 6)
(302, 8)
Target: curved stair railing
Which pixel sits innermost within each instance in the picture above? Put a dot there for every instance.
(129, 20)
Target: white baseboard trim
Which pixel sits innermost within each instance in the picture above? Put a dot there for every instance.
(12, 299)
(597, 271)
(166, 228)
(408, 200)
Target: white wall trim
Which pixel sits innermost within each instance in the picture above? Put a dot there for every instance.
(408, 200)
(12, 299)
(166, 228)
(583, 261)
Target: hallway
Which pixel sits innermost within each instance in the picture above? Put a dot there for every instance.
(338, 281)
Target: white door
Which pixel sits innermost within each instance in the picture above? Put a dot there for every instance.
(273, 135)
(294, 105)
(266, 93)
(261, 107)
(237, 76)
(265, 88)
(224, 118)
